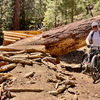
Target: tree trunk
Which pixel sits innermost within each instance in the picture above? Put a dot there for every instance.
(16, 15)
(72, 11)
(62, 39)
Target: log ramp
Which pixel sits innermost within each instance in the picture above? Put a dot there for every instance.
(13, 36)
(59, 40)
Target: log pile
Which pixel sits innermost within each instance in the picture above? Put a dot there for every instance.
(13, 36)
(10, 60)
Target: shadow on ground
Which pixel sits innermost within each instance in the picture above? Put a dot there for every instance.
(72, 57)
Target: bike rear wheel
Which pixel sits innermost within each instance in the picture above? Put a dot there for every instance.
(85, 62)
(95, 67)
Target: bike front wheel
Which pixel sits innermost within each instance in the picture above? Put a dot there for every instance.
(95, 67)
(85, 62)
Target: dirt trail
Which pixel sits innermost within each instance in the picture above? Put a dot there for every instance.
(84, 88)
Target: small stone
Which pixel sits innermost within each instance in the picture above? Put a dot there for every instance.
(77, 92)
(71, 90)
(96, 95)
(88, 91)
(82, 77)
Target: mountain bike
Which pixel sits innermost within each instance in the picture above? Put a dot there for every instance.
(91, 61)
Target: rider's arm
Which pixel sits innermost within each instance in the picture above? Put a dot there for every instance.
(88, 38)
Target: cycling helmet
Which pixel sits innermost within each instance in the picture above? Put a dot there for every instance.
(94, 24)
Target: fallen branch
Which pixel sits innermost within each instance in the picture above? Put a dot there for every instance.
(13, 53)
(61, 89)
(23, 90)
(2, 78)
(30, 74)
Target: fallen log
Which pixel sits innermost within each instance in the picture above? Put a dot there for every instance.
(17, 60)
(26, 32)
(12, 38)
(28, 48)
(10, 41)
(2, 63)
(14, 33)
(13, 53)
(7, 67)
(63, 39)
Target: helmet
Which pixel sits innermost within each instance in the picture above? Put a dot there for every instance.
(94, 24)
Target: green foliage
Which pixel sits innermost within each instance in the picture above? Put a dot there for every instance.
(97, 6)
(7, 14)
(49, 17)
(49, 13)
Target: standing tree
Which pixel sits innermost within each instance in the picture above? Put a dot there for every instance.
(16, 14)
(1, 34)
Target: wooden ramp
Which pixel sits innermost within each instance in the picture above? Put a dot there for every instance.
(13, 36)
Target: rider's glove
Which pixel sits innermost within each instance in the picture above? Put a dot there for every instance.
(88, 46)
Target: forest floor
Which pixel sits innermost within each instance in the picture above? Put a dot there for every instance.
(84, 88)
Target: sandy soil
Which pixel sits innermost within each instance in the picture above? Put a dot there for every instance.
(84, 88)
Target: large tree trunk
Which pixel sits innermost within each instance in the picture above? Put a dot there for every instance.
(63, 39)
(16, 14)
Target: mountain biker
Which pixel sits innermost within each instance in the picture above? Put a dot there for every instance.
(96, 35)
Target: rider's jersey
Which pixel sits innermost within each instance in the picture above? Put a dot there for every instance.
(95, 38)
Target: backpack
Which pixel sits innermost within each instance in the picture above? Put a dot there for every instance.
(92, 36)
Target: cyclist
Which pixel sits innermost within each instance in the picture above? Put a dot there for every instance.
(94, 35)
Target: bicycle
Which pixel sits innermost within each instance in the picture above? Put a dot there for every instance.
(91, 62)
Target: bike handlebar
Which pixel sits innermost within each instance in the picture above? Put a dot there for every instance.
(97, 47)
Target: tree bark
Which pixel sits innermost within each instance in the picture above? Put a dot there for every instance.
(62, 39)
(16, 15)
